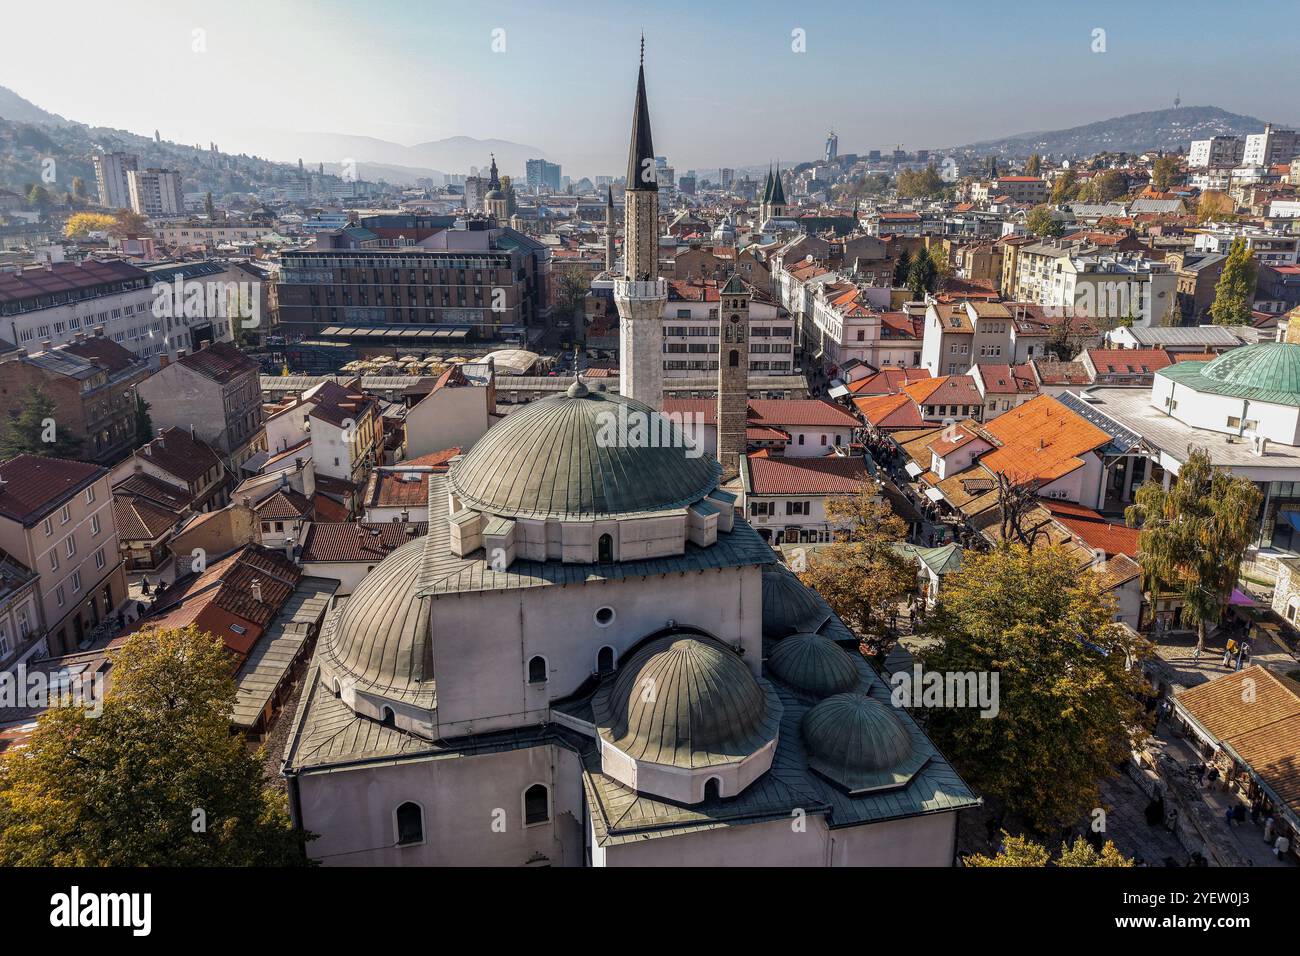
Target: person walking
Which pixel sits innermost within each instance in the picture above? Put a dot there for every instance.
(1281, 847)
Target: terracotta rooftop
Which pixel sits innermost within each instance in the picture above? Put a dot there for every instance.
(31, 486)
(221, 361)
(179, 453)
(1041, 440)
(358, 541)
(806, 476)
(138, 519)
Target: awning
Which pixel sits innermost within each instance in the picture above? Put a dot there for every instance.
(934, 494)
(913, 469)
(1240, 599)
(1292, 518)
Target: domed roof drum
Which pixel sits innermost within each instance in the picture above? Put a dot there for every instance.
(1266, 372)
(580, 455)
(813, 664)
(686, 701)
(381, 639)
(860, 743)
(788, 606)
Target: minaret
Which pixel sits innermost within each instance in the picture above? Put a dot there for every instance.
(640, 295)
(776, 205)
(733, 373)
(609, 229)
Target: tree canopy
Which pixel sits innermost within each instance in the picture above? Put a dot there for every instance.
(1067, 680)
(156, 779)
(1042, 223)
(1194, 536)
(34, 429)
(1019, 851)
(1235, 292)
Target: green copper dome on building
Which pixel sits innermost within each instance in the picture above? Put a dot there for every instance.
(813, 664)
(582, 454)
(685, 701)
(860, 744)
(1266, 372)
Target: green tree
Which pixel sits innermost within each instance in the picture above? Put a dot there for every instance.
(861, 575)
(1105, 187)
(156, 779)
(1235, 292)
(143, 423)
(1019, 851)
(1068, 680)
(34, 429)
(1163, 173)
(1033, 165)
(208, 208)
(921, 276)
(902, 266)
(1194, 536)
(913, 183)
(38, 197)
(1042, 223)
(571, 289)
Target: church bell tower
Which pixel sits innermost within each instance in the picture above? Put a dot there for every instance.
(640, 295)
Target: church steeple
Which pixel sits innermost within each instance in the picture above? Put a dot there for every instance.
(494, 181)
(778, 191)
(641, 151)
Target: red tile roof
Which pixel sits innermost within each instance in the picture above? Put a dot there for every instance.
(31, 486)
(1041, 440)
(221, 361)
(805, 476)
(358, 541)
(890, 411)
(399, 489)
(283, 504)
(138, 519)
(945, 390)
(888, 381)
(179, 453)
(781, 413)
(437, 459)
(64, 277)
(1128, 361)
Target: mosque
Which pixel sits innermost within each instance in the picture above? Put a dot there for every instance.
(592, 660)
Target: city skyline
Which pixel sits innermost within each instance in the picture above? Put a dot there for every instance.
(717, 95)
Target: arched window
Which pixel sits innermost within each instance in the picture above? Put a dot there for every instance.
(387, 717)
(733, 359)
(605, 549)
(711, 789)
(537, 670)
(537, 804)
(605, 660)
(410, 823)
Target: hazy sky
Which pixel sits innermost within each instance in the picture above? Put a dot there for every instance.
(725, 86)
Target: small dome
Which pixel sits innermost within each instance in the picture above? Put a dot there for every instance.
(381, 638)
(494, 195)
(580, 454)
(684, 701)
(788, 606)
(813, 664)
(859, 743)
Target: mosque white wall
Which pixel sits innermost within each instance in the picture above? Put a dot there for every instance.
(912, 841)
(1277, 423)
(473, 810)
(483, 641)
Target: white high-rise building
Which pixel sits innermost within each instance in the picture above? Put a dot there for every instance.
(1217, 152)
(1271, 146)
(156, 192)
(112, 176)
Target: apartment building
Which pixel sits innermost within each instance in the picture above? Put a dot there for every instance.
(1271, 147)
(92, 382)
(1270, 248)
(112, 176)
(1217, 152)
(56, 518)
(201, 233)
(690, 319)
(156, 192)
(21, 633)
(337, 427)
(214, 392)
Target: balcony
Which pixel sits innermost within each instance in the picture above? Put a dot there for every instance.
(634, 289)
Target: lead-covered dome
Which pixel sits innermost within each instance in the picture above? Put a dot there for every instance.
(860, 743)
(788, 606)
(582, 454)
(813, 664)
(380, 643)
(686, 702)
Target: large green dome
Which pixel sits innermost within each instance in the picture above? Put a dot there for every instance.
(1266, 372)
(579, 455)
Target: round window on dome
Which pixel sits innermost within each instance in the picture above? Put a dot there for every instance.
(605, 616)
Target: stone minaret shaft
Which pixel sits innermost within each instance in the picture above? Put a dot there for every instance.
(609, 229)
(733, 373)
(640, 295)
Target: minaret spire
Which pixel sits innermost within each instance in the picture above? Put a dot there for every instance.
(641, 151)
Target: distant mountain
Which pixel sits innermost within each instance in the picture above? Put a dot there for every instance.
(1137, 132)
(14, 107)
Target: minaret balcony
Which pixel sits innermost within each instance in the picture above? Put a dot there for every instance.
(640, 289)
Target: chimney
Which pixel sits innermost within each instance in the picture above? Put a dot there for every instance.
(162, 438)
(288, 547)
(247, 501)
(257, 590)
(180, 354)
(164, 360)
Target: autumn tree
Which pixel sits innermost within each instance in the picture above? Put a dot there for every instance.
(156, 779)
(1019, 851)
(1235, 292)
(570, 289)
(34, 429)
(1105, 187)
(128, 224)
(1164, 172)
(861, 575)
(1042, 223)
(1216, 206)
(1033, 165)
(1068, 680)
(918, 183)
(1194, 536)
(1066, 187)
(81, 224)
